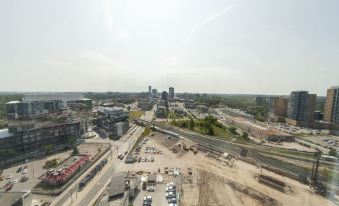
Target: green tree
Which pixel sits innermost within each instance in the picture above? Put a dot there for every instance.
(7, 154)
(72, 141)
(3, 123)
(50, 164)
(210, 130)
(210, 119)
(332, 152)
(75, 150)
(244, 135)
(191, 125)
(48, 148)
(233, 130)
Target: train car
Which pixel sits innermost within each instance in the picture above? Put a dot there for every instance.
(92, 174)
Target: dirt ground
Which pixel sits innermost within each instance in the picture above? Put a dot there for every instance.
(216, 190)
(291, 145)
(215, 184)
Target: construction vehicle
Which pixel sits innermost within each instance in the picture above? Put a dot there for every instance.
(184, 147)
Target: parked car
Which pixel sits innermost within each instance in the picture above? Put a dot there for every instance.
(8, 177)
(151, 188)
(24, 171)
(9, 187)
(23, 179)
(147, 201)
(170, 189)
(139, 159)
(170, 184)
(170, 195)
(172, 200)
(15, 181)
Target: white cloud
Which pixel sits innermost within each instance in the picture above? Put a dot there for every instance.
(172, 61)
(93, 56)
(108, 12)
(122, 34)
(205, 21)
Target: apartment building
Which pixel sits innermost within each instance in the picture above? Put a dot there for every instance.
(301, 106)
(331, 112)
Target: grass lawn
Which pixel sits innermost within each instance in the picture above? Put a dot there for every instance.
(223, 132)
(132, 115)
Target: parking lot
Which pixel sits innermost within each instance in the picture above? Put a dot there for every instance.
(34, 172)
(146, 152)
(325, 141)
(284, 127)
(158, 196)
(35, 168)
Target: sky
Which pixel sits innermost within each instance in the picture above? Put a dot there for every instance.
(207, 46)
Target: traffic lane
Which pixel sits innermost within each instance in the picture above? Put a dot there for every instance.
(99, 184)
(64, 196)
(105, 178)
(92, 190)
(106, 175)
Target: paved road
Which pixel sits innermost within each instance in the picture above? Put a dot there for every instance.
(91, 192)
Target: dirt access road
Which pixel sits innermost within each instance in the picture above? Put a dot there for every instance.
(215, 184)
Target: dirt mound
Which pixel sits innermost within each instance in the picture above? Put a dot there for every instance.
(255, 194)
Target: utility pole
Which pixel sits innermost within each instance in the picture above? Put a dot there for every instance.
(71, 195)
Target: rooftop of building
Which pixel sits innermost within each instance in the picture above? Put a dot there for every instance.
(53, 96)
(111, 109)
(119, 200)
(4, 133)
(134, 182)
(14, 102)
(117, 186)
(10, 198)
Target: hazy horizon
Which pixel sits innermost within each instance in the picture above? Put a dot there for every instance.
(226, 47)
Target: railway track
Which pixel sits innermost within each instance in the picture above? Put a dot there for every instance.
(275, 165)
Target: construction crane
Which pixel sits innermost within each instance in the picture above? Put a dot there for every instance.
(315, 183)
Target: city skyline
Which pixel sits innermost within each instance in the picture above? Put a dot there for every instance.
(176, 102)
(236, 47)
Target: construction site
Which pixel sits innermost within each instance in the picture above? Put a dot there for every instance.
(209, 176)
